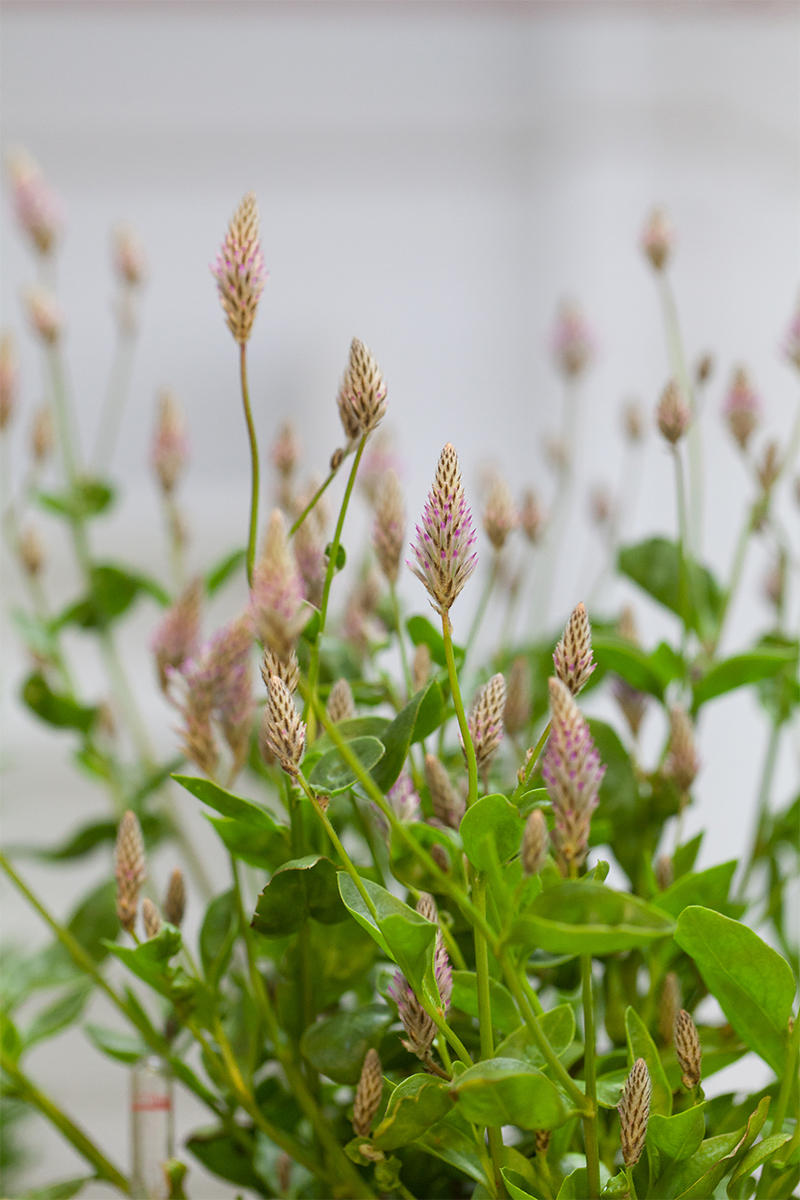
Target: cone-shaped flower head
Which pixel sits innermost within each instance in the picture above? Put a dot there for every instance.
(742, 407)
(170, 450)
(8, 378)
(532, 517)
(151, 918)
(340, 706)
(368, 1094)
(486, 720)
(534, 843)
(448, 806)
(286, 669)
(175, 899)
(389, 529)
(37, 208)
(44, 314)
(657, 238)
(443, 972)
(277, 599)
(31, 551)
(284, 732)
(634, 1112)
(682, 762)
(500, 516)
(420, 1028)
(239, 270)
(43, 436)
(129, 869)
(672, 414)
(362, 393)
(177, 636)
(572, 657)
(572, 343)
(572, 772)
(443, 552)
(687, 1048)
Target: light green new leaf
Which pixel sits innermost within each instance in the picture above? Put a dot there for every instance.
(641, 1045)
(707, 888)
(742, 669)
(752, 983)
(696, 1178)
(124, 1047)
(557, 1025)
(756, 1155)
(506, 1091)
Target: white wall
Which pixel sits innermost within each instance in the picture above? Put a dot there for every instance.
(432, 178)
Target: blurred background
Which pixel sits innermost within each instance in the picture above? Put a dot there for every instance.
(433, 178)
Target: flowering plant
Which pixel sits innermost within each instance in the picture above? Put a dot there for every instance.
(463, 951)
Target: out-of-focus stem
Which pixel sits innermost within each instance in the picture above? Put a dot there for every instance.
(480, 611)
(684, 596)
(764, 789)
(681, 373)
(589, 1072)
(314, 500)
(115, 399)
(254, 467)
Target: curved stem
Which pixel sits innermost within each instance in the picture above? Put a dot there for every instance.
(314, 499)
(589, 1072)
(254, 468)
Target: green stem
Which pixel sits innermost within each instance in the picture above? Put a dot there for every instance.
(681, 373)
(737, 566)
(461, 716)
(333, 554)
(590, 1077)
(788, 1078)
(764, 789)
(254, 469)
(531, 765)
(480, 611)
(400, 639)
(115, 399)
(347, 862)
(323, 487)
(72, 1132)
(683, 546)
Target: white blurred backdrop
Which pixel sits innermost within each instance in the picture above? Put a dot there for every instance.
(432, 178)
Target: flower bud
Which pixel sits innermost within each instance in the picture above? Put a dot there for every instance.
(129, 869)
(535, 841)
(443, 552)
(128, 254)
(486, 720)
(170, 448)
(742, 408)
(44, 314)
(340, 706)
(284, 732)
(672, 415)
(688, 1049)
(634, 1112)
(573, 342)
(657, 239)
(368, 1094)
(9, 371)
(151, 918)
(500, 515)
(572, 657)
(42, 434)
(239, 270)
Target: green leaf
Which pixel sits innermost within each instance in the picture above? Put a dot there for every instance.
(588, 918)
(557, 1025)
(94, 919)
(416, 1104)
(87, 498)
(654, 565)
(641, 1045)
(217, 934)
(220, 1154)
(61, 1191)
(505, 1091)
(397, 738)
(677, 1137)
(124, 1047)
(248, 830)
(54, 707)
(221, 572)
(452, 1140)
(402, 934)
(341, 556)
(742, 669)
(301, 888)
(491, 832)
(56, 1016)
(149, 961)
(422, 632)
(35, 633)
(505, 1016)
(112, 591)
(226, 803)
(631, 663)
(575, 1185)
(697, 1177)
(332, 774)
(756, 1155)
(336, 1046)
(517, 1186)
(753, 985)
(708, 888)
(86, 839)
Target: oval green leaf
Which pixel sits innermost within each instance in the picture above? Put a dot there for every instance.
(505, 1091)
(588, 918)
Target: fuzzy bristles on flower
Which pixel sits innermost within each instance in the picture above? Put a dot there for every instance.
(657, 239)
(486, 720)
(572, 342)
(362, 393)
(443, 551)
(682, 763)
(178, 634)
(687, 1049)
(277, 598)
(669, 1005)
(368, 1094)
(9, 370)
(448, 806)
(572, 772)
(175, 899)
(634, 1112)
(284, 732)
(664, 872)
(389, 529)
(443, 972)
(500, 516)
(672, 414)
(130, 869)
(239, 270)
(170, 449)
(151, 918)
(518, 695)
(340, 706)
(742, 407)
(572, 657)
(532, 517)
(534, 843)
(419, 1026)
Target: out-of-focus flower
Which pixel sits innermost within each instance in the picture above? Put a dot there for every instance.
(368, 1095)
(500, 516)
(791, 342)
(170, 449)
(688, 1049)
(421, 666)
(175, 898)
(389, 528)
(601, 505)
(704, 369)
(403, 798)
(239, 270)
(672, 415)
(379, 458)
(44, 314)
(128, 255)
(129, 869)
(769, 467)
(443, 551)
(532, 516)
(573, 343)
(658, 238)
(448, 806)
(682, 763)
(277, 599)
(572, 772)
(518, 695)
(631, 701)
(151, 918)
(443, 971)
(633, 421)
(485, 720)
(42, 434)
(31, 551)
(36, 205)
(534, 843)
(340, 706)
(177, 636)
(284, 732)
(9, 373)
(742, 407)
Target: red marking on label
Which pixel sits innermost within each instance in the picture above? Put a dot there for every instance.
(151, 1103)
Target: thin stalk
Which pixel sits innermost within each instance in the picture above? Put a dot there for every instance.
(333, 554)
(764, 789)
(304, 961)
(323, 487)
(400, 639)
(244, 925)
(788, 1078)
(737, 566)
(590, 1077)
(681, 373)
(559, 509)
(631, 1186)
(254, 468)
(347, 862)
(480, 611)
(531, 766)
(683, 546)
(115, 399)
(366, 833)
(72, 1132)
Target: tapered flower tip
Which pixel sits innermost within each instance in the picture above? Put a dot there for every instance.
(444, 557)
(362, 393)
(239, 270)
(634, 1112)
(572, 656)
